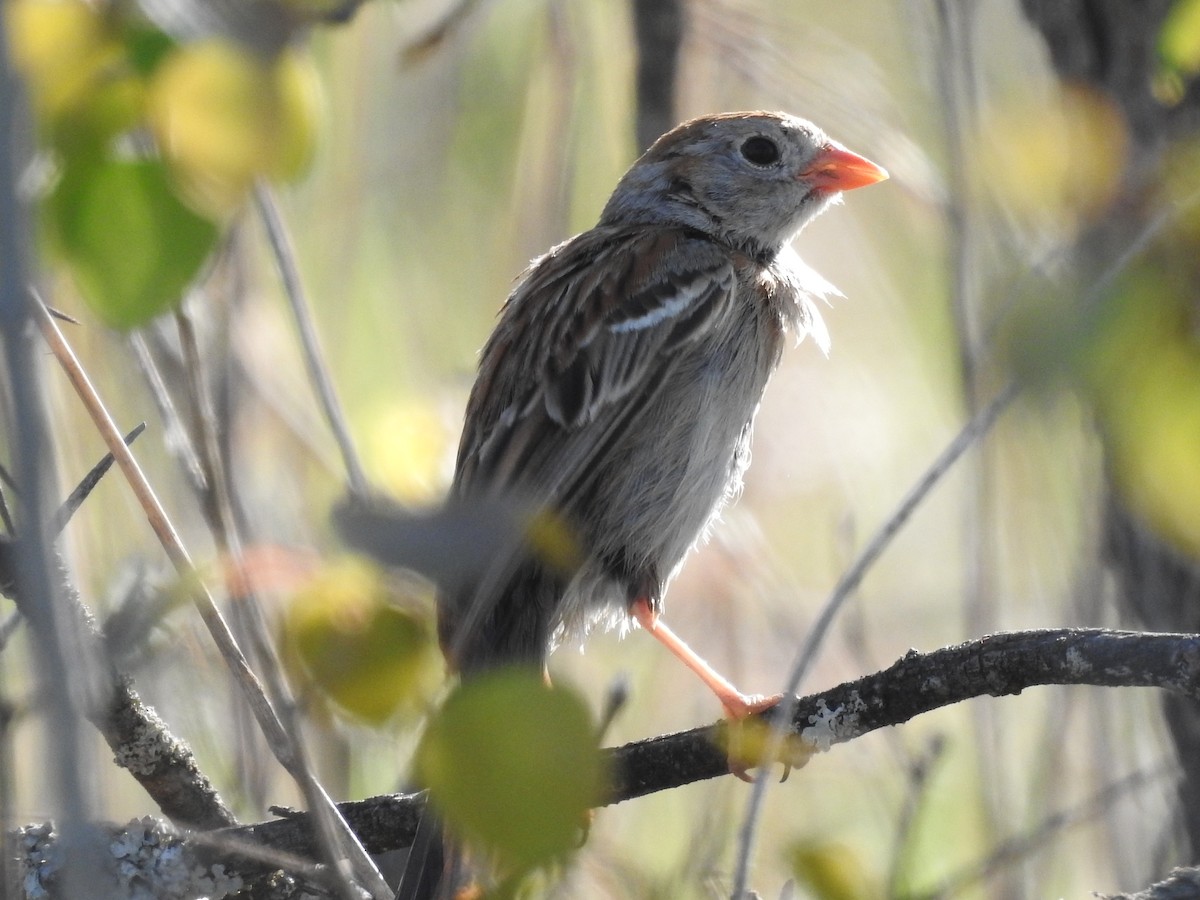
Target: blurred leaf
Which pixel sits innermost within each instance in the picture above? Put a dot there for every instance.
(1143, 373)
(1054, 164)
(748, 740)
(1179, 41)
(84, 87)
(132, 246)
(370, 657)
(297, 91)
(553, 541)
(1180, 189)
(832, 871)
(513, 764)
(147, 47)
(62, 47)
(223, 117)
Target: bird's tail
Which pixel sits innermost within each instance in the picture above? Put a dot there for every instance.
(423, 871)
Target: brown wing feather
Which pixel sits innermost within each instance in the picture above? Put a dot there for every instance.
(611, 312)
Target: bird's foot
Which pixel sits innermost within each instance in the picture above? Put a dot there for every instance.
(740, 706)
(749, 738)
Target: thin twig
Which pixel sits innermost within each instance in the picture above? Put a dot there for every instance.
(919, 771)
(169, 539)
(271, 858)
(970, 434)
(1038, 838)
(9, 627)
(68, 764)
(179, 442)
(343, 853)
(85, 487)
(435, 35)
(314, 359)
(5, 513)
(955, 82)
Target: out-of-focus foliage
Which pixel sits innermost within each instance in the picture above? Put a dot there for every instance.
(347, 635)
(109, 218)
(833, 871)
(1132, 349)
(1143, 377)
(1178, 51)
(224, 117)
(554, 541)
(69, 52)
(749, 741)
(1054, 165)
(135, 219)
(514, 765)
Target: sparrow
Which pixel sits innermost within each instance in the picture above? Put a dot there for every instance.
(616, 397)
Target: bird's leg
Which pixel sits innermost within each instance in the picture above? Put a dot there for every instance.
(737, 705)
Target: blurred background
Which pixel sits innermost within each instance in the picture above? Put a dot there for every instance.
(444, 146)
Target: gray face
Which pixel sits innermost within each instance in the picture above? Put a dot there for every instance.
(741, 178)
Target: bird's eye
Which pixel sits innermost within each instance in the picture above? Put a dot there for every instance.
(760, 151)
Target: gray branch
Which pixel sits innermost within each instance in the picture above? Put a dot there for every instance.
(996, 665)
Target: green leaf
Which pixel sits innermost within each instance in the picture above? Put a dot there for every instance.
(131, 244)
(147, 46)
(1179, 41)
(513, 764)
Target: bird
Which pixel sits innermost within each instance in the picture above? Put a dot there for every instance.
(616, 396)
(611, 414)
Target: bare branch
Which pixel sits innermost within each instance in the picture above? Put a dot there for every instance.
(1037, 838)
(314, 359)
(997, 665)
(252, 689)
(1182, 884)
(89, 482)
(971, 433)
(658, 31)
(140, 741)
(340, 848)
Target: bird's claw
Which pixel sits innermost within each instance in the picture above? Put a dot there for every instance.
(749, 738)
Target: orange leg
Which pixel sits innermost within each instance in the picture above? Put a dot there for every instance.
(737, 705)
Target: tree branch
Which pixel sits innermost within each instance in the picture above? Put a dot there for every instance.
(141, 742)
(996, 665)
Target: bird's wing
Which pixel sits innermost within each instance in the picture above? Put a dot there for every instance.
(582, 348)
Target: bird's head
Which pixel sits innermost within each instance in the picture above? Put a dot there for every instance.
(751, 180)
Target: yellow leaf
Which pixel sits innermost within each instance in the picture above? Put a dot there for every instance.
(554, 542)
(1053, 164)
(747, 742)
(297, 90)
(210, 108)
(224, 117)
(832, 871)
(370, 657)
(62, 47)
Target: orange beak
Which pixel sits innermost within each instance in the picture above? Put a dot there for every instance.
(837, 169)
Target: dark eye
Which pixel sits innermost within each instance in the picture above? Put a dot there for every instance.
(760, 151)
